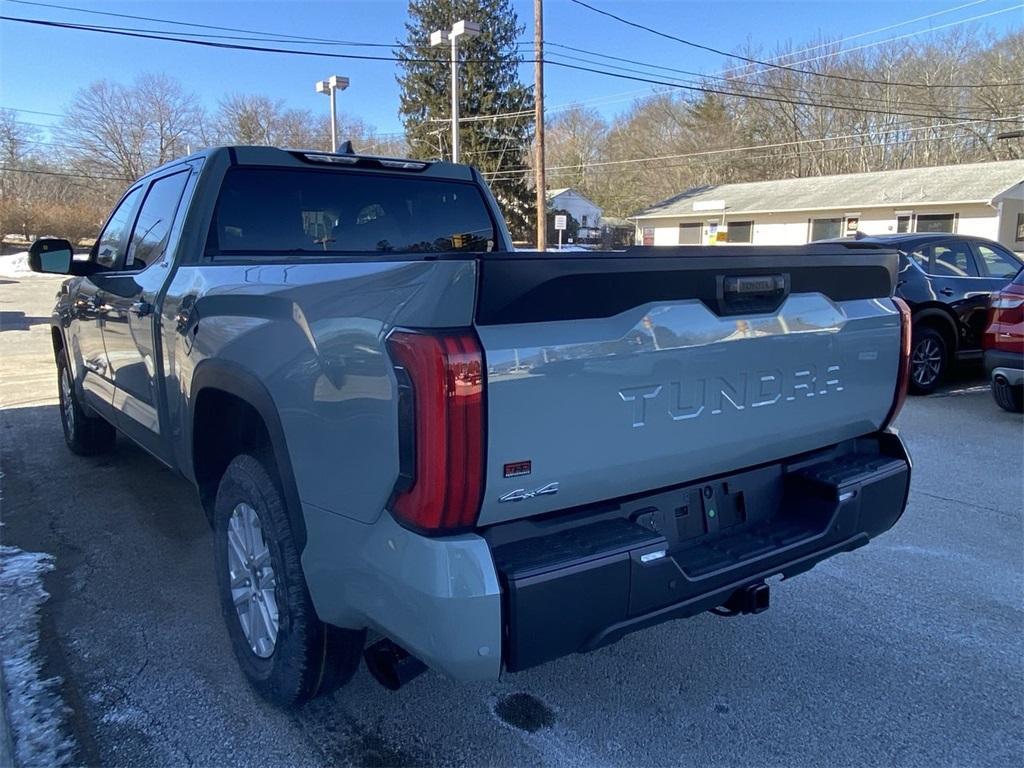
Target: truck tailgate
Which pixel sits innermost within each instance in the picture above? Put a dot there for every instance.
(610, 375)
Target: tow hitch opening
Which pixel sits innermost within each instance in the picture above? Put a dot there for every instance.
(754, 598)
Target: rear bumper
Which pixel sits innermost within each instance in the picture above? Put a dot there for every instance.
(581, 587)
(1005, 363)
(533, 590)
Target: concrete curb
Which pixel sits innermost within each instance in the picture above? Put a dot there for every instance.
(6, 737)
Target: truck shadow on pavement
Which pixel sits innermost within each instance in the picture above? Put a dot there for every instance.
(19, 321)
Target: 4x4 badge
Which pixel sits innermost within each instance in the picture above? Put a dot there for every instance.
(521, 494)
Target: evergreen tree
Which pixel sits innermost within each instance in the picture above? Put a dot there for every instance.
(489, 82)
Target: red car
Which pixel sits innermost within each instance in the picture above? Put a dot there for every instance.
(1003, 343)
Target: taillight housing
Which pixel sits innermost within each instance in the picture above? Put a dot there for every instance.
(441, 413)
(903, 371)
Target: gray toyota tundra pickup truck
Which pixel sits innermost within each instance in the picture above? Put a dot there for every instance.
(485, 459)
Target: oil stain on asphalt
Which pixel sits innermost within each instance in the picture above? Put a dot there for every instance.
(525, 712)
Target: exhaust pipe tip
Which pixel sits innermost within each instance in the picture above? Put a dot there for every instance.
(391, 665)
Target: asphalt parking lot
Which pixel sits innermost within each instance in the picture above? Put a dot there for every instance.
(907, 652)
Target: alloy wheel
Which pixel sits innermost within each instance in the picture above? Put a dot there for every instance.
(253, 582)
(926, 362)
(66, 403)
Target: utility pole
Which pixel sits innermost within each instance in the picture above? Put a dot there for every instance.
(538, 105)
(330, 86)
(460, 28)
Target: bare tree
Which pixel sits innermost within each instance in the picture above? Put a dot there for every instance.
(124, 131)
(256, 119)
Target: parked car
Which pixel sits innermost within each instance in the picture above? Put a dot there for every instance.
(947, 280)
(491, 459)
(1004, 345)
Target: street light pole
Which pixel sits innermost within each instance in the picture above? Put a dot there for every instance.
(438, 37)
(331, 86)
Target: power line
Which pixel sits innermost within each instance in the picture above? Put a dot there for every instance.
(735, 83)
(64, 173)
(894, 39)
(268, 36)
(633, 78)
(32, 111)
(788, 68)
(159, 35)
(776, 145)
(761, 97)
(858, 35)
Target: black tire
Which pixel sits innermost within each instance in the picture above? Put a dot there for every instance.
(308, 657)
(1008, 398)
(85, 433)
(929, 361)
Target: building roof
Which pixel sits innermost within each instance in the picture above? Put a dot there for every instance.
(968, 183)
(556, 192)
(551, 194)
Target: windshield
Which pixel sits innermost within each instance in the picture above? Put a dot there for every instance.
(278, 210)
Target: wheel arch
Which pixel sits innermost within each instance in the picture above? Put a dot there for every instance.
(940, 319)
(222, 393)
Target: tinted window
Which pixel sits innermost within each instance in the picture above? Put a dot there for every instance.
(953, 260)
(154, 222)
(111, 245)
(936, 222)
(277, 210)
(740, 231)
(920, 256)
(997, 263)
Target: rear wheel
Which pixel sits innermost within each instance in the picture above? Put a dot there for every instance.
(929, 359)
(84, 433)
(287, 653)
(1008, 398)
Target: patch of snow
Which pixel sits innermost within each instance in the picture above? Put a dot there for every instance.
(16, 265)
(34, 706)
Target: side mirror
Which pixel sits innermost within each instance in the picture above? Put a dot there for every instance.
(50, 255)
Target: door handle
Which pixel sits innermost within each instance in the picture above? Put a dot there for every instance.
(141, 308)
(946, 291)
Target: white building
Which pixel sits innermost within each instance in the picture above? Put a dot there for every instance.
(985, 199)
(584, 210)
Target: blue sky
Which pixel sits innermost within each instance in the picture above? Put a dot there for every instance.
(41, 69)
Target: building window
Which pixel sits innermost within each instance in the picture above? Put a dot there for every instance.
(584, 222)
(689, 233)
(648, 236)
(1020, 228)
(825, 229)
(936, 222)
(740, 231)
(903, 223)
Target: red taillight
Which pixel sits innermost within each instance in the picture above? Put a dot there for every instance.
(903, 371)
(442, 489)
(1007, 308)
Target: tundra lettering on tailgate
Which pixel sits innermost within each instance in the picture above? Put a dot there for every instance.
(688, 399)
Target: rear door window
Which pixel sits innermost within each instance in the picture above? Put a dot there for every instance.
(953, 259)
(155, 219)
(276, 211)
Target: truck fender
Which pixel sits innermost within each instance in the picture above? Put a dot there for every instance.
(233, 379)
